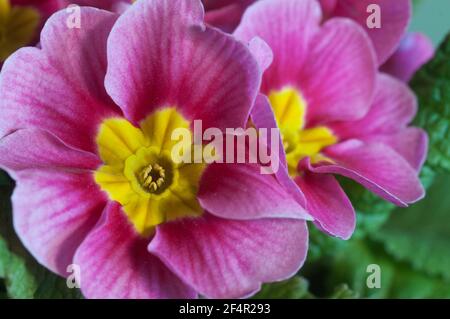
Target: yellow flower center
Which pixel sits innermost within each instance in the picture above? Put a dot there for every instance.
(18, 26)
(140, 174)
(290, 109)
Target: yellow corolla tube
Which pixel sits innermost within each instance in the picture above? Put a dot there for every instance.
(299, 141)
(140, 173)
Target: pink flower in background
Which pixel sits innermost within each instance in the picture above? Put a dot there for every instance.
(395, 16)
(335, 113)
(95, 185)
(110, 5)
(399, 54)
(401, 61)
(225, 14)
(414, 51)
(45, 7)
(21, 21)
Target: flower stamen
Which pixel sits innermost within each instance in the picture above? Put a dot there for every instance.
(152, 177)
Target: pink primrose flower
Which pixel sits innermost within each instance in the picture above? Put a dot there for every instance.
(86, 121)
(336, 113)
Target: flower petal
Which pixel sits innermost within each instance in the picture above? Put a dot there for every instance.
(175, 61)
(59, 88)
(226, 259)
(328, 204)
(114, 263)
(240, 191)
(411, 143)
(53, 212)
(34, 148)
(395, 16)
(338, 79)
(55, 202)
(262, 52)
(393, 108)
(415, 50)
(377, 167)
(288, 28)
(263, 118)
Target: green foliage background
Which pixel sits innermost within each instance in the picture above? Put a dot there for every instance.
(412, 245)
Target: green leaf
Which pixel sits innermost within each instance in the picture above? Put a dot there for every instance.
(398, 279)
(343, 292)
(420, 235)
(22, 276)
(4, 179)
(432, 86)
(294, 288)
(54, 287)
(372, 211)
(18, 281)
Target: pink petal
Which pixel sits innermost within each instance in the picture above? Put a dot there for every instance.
(395, 16)
(333, 66)
(33, 148)
(59, 88)
(261, 52)
(53, 212)
(411, 143)
(288, 28)
(263, 118)
(328, 204)
(338, 79)
(393, 108)
(56, 202)
(415, 50)
(228, 259)
(114, 263)
(377, 167)
(175, 61)
(240, 191)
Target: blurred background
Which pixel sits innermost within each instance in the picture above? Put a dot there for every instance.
(432, 17)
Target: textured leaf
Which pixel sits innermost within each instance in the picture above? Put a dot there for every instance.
(53, 287)
(420, 234)
(18, 281)
(372, 211)
(398, 279)
(343, 292)
(321, 246)
(432, 86)
(294, 288)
